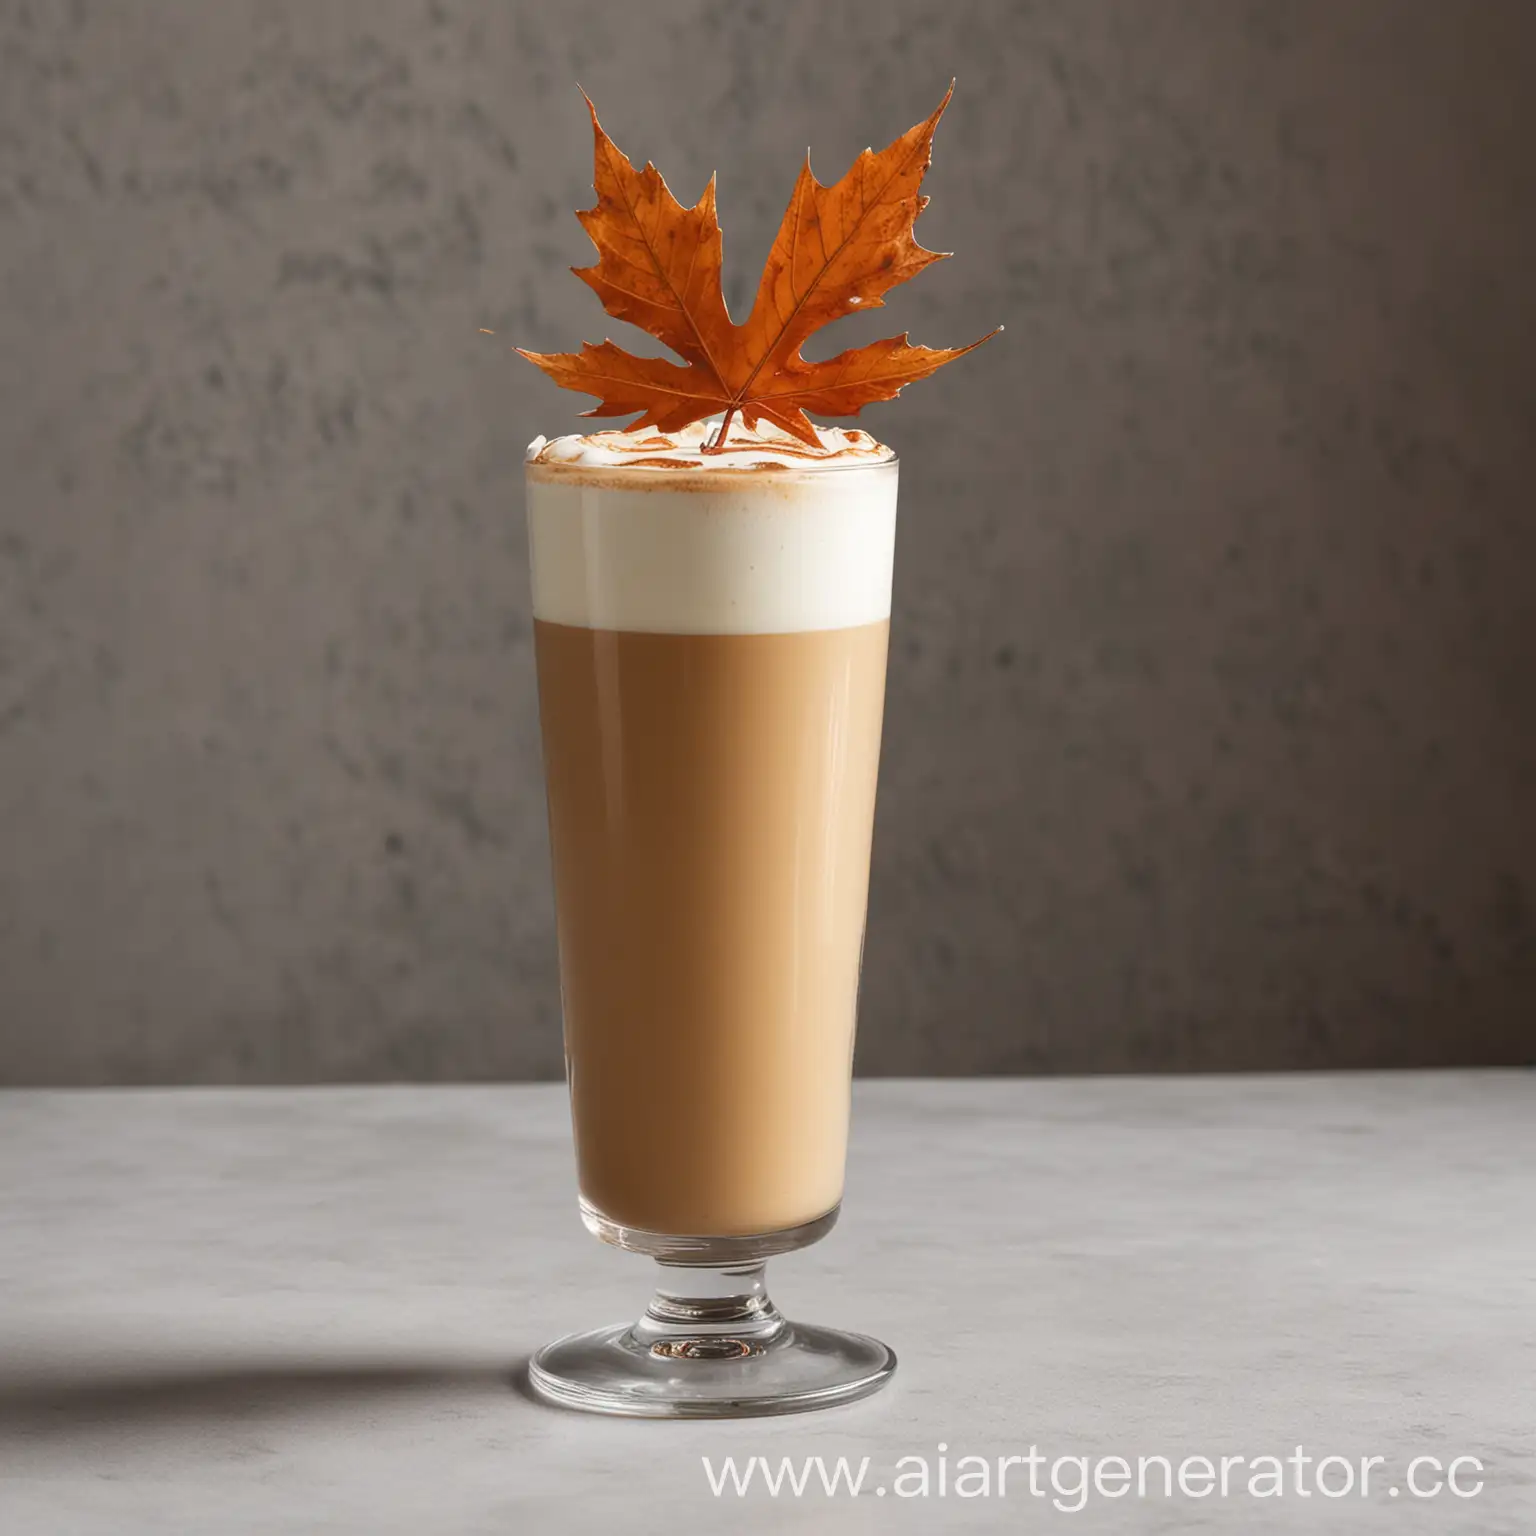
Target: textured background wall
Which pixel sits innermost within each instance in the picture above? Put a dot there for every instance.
(1211, 738)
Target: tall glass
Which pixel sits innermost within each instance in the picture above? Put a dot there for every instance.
(711, 647)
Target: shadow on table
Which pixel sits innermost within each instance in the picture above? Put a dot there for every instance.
(239, 1390)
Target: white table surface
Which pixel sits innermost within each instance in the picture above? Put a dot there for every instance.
(302, 1310)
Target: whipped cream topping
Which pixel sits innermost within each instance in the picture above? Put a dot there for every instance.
(765, 447)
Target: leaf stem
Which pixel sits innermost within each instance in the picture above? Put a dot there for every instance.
(717, 443)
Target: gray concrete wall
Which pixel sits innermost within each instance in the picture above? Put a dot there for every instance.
(1211, 738)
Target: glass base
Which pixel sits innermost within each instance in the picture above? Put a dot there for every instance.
(711, 1345)
(720, 1252)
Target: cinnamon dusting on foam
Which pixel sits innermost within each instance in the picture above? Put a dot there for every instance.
(765, 449)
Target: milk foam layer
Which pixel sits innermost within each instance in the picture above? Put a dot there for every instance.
(702, 548)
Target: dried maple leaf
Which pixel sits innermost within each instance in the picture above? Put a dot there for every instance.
(839, 249)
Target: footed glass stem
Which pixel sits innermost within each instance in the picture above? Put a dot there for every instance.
(710, 1345)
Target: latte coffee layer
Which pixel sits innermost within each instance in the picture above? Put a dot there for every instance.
(711, 646)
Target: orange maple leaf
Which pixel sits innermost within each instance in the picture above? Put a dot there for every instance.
(839, 249)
